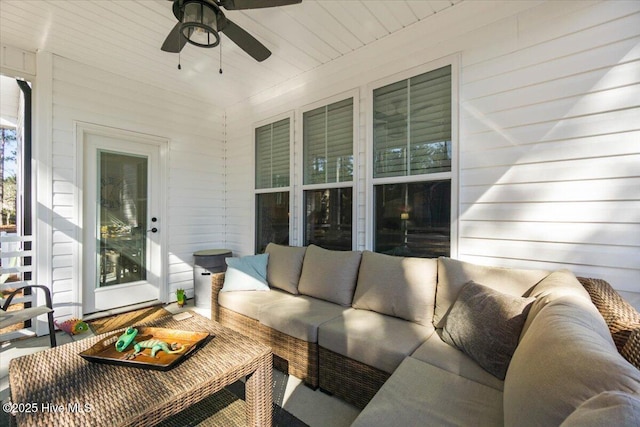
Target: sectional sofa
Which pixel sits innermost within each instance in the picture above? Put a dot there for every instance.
(417, 341)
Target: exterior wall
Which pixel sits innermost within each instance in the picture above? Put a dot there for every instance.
(549, 137)
(195, 201)
(551, 153)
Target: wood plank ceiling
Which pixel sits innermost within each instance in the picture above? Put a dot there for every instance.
(124, 37)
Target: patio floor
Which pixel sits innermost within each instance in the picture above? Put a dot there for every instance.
(313, 407)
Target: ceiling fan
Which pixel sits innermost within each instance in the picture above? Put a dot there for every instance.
(200, 21)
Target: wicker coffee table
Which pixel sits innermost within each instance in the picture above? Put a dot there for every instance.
(57, 387)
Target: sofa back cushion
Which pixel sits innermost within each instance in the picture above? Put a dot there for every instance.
(397, 286)
(330, 275)
(285, 266)
(558, 284)
(610, 408)
(454, 274)
(566, 357)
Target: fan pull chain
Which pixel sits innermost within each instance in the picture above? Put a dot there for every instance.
(220, 56)
(179, 66)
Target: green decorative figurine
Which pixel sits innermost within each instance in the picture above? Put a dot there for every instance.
(125, 340)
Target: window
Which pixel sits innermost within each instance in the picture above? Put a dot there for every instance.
(412, 158)
(328, 143)
(272, 219)
(272, 157)
(329, 217)
(328, 175)
(413, 219)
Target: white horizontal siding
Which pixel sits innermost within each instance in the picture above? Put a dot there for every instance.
(549, 132)
(195, 192)
(549, 163)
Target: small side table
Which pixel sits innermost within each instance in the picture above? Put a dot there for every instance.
(205, 263)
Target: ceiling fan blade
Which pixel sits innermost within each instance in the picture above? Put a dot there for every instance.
(255, 4)
(245, 41)
(175, 41)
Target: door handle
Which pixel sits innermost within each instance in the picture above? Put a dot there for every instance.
(153, 230)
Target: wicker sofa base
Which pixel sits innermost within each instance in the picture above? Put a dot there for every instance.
(291, 355)
(358, 387)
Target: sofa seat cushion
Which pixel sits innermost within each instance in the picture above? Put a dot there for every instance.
(438, 353)
(454, 274)
(372, 338)
(330, 275)
(397, 286)
(301, 317)
(249, 303)
(420, 394)
(566, 357)
(285, 266)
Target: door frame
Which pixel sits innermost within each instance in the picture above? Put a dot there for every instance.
(81, 129)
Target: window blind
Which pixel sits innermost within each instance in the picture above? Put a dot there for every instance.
(328, 143)
(272, 155)
(412, 125)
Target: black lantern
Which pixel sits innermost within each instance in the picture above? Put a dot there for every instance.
(199, 24)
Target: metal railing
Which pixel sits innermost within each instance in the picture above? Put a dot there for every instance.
(15, 271)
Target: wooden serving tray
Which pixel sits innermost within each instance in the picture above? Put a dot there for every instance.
(105, 351)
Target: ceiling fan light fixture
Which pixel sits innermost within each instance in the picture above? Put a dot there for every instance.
(200, 24)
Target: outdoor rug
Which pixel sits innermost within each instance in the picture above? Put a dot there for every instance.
(225, 409)
(112, 323)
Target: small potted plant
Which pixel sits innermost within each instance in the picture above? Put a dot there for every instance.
(181, 297)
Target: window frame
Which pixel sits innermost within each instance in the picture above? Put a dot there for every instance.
(354, 183)
(290, 188)
(452, 175)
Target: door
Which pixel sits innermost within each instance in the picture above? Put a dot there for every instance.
(121, 221)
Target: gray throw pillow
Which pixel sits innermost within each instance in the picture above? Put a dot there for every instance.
(486, 324)
(453, 274)
(285, 266)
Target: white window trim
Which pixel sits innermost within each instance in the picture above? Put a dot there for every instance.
(299, 183)
(287, 115)
(453, 175)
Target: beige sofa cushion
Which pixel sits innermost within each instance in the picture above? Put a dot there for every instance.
(419, 394)
(558, 284)
(285, 266)
(566, 357)
(610, 408)
(330, 275)
(397, 286)
(454, 274)
(301, 317)
(249, 303)
(438, 353)
(372, 338)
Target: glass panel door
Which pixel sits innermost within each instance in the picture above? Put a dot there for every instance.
(122, 218)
